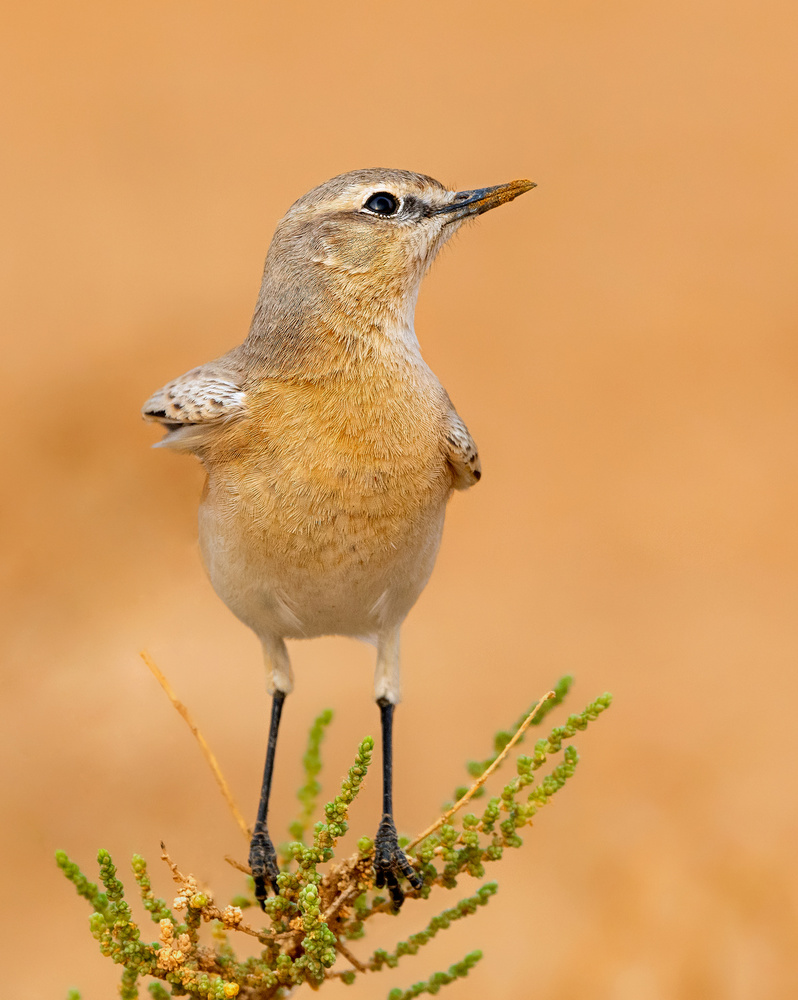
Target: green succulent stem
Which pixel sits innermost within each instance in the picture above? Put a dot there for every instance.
(309, 792)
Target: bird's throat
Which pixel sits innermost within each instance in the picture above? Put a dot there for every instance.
(324, 324)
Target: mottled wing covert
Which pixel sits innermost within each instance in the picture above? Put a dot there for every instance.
(462, 453)
(189, 406)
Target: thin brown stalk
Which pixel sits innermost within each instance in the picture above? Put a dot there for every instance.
(484, 776)
(346, 895)
(206, 750)
(350, 957)
(237, 865)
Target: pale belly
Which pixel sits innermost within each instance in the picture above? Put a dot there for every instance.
(297, 555)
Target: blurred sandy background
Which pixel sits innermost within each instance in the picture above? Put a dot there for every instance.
(622, 344)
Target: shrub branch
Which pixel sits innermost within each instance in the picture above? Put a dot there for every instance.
(324, 902)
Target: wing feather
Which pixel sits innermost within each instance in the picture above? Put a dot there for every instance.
(461, 453)
(190, 406)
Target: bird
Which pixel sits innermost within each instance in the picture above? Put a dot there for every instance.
(330, 448)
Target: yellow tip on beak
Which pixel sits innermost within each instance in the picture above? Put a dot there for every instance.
(481, 200)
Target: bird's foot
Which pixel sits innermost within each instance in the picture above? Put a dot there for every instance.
(263, 864)
(391, 862)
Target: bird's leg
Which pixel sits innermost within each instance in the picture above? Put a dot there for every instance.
(262, 855)
(390, 861)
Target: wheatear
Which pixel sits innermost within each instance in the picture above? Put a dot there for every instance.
(330, 447)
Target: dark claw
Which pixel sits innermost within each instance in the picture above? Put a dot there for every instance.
(263, 863)
(391, 863)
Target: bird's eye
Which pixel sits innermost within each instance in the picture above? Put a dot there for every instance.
(382, 203)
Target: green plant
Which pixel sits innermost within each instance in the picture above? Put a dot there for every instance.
(326, 902)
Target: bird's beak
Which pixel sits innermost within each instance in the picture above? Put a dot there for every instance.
(466, 203)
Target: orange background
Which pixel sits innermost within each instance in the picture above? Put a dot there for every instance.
(621, 343)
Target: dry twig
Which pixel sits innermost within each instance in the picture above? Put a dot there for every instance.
(484, 776)
(355, 962)
(206, 750)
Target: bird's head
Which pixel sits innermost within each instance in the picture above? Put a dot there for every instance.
(367, 237)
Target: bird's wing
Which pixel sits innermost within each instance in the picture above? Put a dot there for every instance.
(461, 452)
(193, 405)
